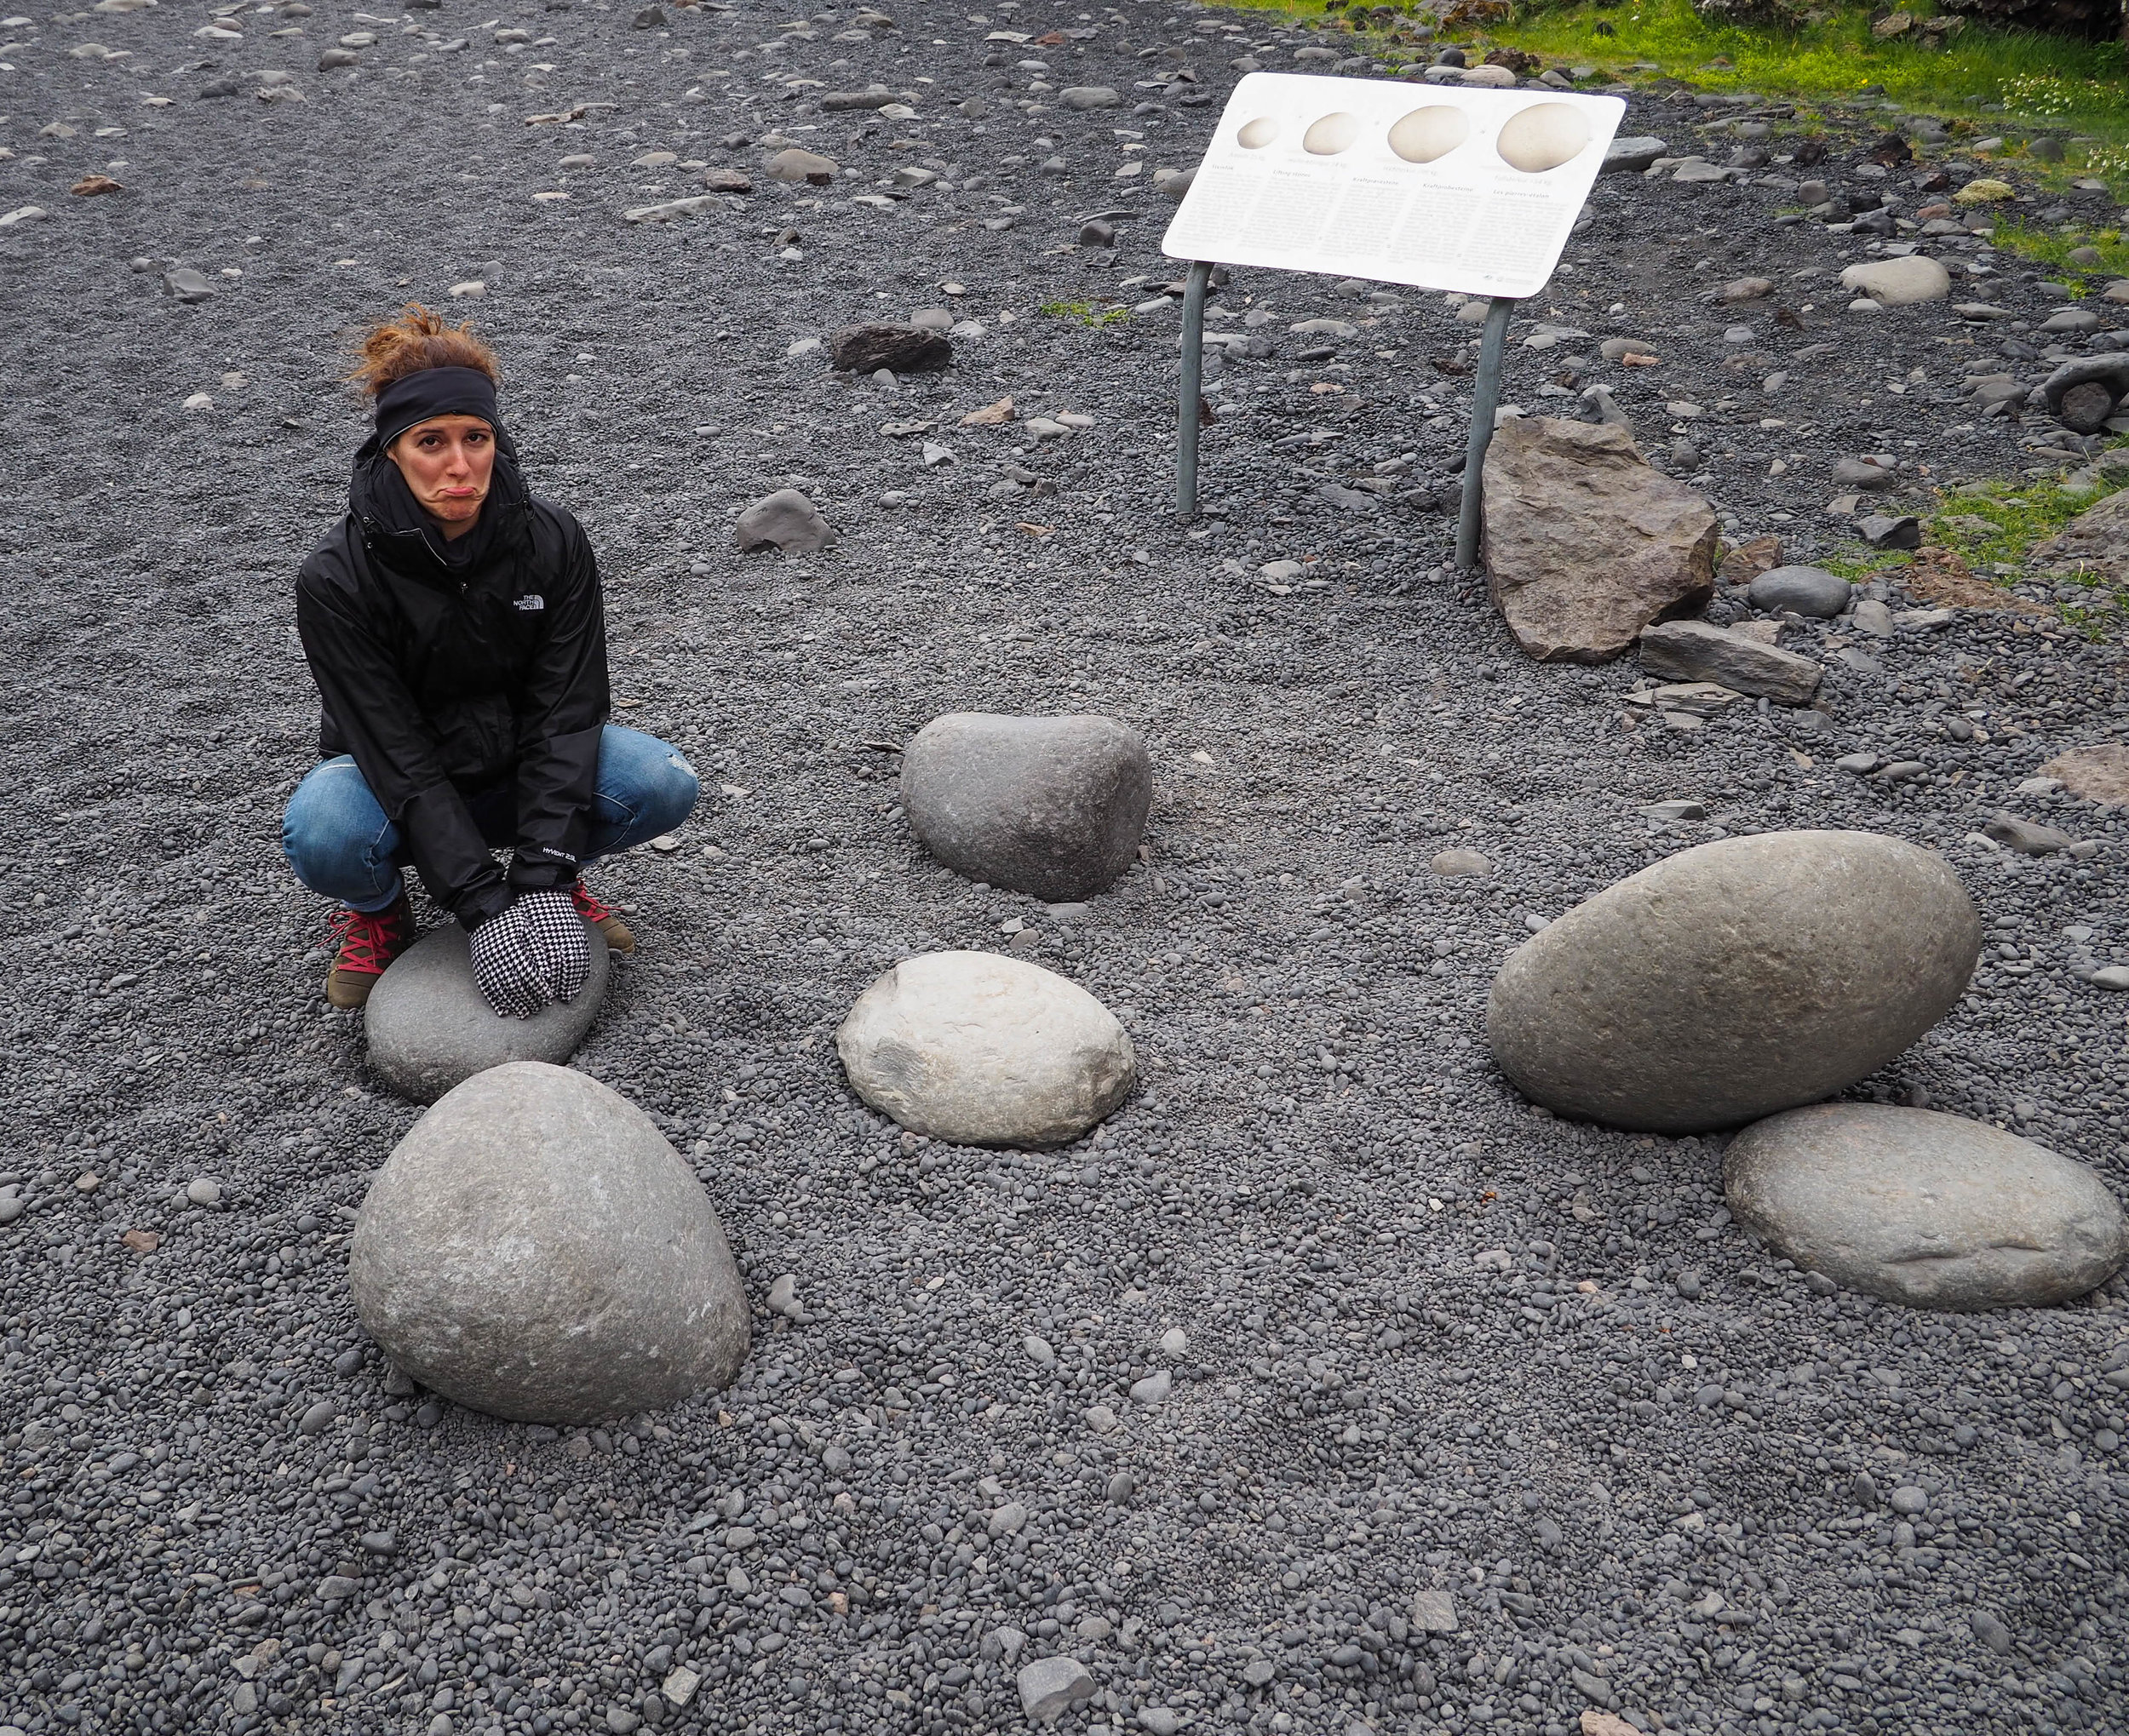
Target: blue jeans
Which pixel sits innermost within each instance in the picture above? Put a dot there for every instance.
(342, 846)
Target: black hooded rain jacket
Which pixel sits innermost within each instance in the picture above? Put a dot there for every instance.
(454, 670)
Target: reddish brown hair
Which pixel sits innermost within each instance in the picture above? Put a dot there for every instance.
(419, 340)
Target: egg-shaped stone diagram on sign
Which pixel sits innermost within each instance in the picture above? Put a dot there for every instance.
(1543, 137)
(1331, 135)
(1428, 134)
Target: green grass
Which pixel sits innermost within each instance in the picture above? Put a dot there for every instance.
(2010, 84)
(1085, 312)
(2019, 514)
(1864, 566)
(2054, 250)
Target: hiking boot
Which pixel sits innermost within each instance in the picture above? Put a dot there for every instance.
(620, 937)
(369, 940)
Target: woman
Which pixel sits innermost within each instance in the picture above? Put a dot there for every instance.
(454, 627)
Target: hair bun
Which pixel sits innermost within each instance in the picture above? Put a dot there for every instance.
(415, 341)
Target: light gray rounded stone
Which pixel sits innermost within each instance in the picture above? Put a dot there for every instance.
(1922, 1208)
(984, 1048)
(430, 1029)
(1053, 807)
(1899, 282)
(534, 1249)
(1734, 980)
(1808, 591)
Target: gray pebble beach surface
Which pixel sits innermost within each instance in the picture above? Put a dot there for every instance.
(1481, 1418)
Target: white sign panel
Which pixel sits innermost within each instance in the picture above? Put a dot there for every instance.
(1444, 186)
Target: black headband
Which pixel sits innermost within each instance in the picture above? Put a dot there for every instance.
(434, 392)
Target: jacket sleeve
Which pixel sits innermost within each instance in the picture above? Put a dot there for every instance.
(561, 716)
(378, 718)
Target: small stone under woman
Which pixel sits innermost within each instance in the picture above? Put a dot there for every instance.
(454, 626)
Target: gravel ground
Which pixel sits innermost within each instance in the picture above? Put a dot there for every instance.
(1420, 1336)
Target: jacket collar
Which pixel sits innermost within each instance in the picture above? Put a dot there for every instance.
(400, 532)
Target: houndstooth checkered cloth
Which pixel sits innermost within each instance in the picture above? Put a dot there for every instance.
(536, 951)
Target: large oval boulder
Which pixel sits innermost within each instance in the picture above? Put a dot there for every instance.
(430, 1028)
(1054, 806)
(1930, 1210)
(982, 1049)
(1734, 979)
(534, 1249)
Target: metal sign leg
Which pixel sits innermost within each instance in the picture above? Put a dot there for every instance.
(1485, 399)
(1201, 273)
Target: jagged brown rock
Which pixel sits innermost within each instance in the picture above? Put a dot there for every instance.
(1586, 543)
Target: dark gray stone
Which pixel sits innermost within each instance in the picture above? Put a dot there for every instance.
(1054, 806)
(1734, 980)
(534, 1249)
(901, 349)
(1633, 156)
(2111, 372)
(1891, 531)
(1926, 1209)
(1862, 474)
(1693, 650)
(2084, 408)
(1803, 590)
(187, 284)
(429, 1028)
(2027, 837)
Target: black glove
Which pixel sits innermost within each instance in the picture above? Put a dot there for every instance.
(536, 951)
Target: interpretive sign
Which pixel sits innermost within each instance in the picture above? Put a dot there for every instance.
(1452, 188)
(1443, 186)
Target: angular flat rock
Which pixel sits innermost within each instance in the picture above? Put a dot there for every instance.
(786, 520)
(1891, 531)
(795, 164)
(1053, 807)
(1049, 1686)
(1586, 544)
(534, 1249)
(2099, 774)
(429, 1028)
(1693, 650)
(2096, 540)
(2027, 837)
(1734, 980)
(1930, 1210)
(1633, 156)
(981, 1049)
(902, 349)
(1803, 590)
(1898, 283)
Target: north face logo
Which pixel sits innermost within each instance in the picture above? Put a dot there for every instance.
(529, 604)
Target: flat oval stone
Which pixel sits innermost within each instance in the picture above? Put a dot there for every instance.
(1930, 1210)
(534, 1249)
(1734, 979)
(982, 1049)
(429, 1028)
(1807, 591)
